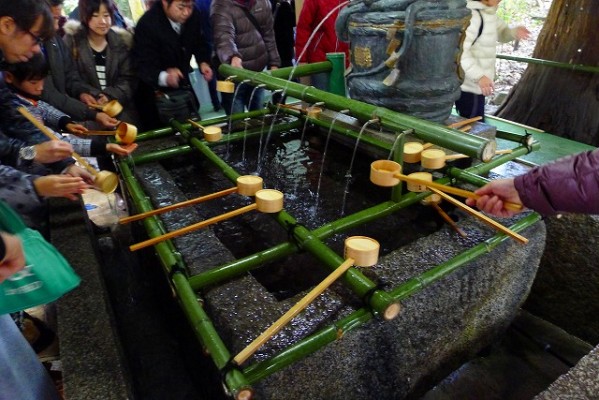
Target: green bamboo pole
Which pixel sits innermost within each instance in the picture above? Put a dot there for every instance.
(553, 64)
(337, 75)
(207, 334)
(425, 130)
(260, 370)
(301, 70)
(158, 133)
(243, 265)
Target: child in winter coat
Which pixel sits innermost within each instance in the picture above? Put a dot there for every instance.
(479, 54)
(26, 81)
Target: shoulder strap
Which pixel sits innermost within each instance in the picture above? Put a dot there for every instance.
(480, 28)
(253, 20)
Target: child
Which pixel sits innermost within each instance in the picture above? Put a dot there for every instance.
(26, 80)
(479, 53)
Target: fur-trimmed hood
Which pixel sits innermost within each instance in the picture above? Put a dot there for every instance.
(73, 27)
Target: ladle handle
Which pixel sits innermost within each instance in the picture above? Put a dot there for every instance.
(186, 203)
(192, 228)
(459, 124)
(107, 133)
(191, 121)
(293, 311)
(96, 106)
(49, 134)
(449, 220)
(482, 217)
(453, 190)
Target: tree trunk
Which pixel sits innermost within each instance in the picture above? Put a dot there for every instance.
(557, 100)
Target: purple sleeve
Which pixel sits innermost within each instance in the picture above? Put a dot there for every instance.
(570, 184)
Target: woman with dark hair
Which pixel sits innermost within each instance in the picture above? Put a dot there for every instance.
(101, 54)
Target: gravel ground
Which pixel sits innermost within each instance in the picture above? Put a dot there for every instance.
(508, 72)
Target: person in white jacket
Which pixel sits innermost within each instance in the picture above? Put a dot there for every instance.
(479, 53)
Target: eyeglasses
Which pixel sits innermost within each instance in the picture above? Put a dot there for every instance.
(38, 40)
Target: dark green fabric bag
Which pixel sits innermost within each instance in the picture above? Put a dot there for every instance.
(46, 276)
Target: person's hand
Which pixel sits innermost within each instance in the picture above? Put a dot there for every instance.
(486, 85)
(106, 120)
(52, 151)
(78, 172)
(522, 33)
(494, 195)
(236, 62)
(88, 99)
(173, 77)
(60, 186)
(76, 129)
(274, 67)
(102, 99)
(121, 150)
(14, 259)
(206, 71)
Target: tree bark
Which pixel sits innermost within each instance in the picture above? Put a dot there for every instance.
(560, 101)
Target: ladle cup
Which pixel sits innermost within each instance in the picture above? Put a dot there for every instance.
(211, 133)
(267, 201)
(125, 133)
(112, 108)
(387, 173)
(225, 86)
(412, 151)
(106, 181)
(435, 158)
(247, 185)
(433, 201)
(360, 251)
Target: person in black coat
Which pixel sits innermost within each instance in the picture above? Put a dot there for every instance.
(166, 37)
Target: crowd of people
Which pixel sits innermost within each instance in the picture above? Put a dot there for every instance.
(60, 70)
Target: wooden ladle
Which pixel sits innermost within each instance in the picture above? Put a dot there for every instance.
(125, 133)
(423, 182)
(106, 181)
(112, 108)
(211, 133)
(247, 185)
(413, 150)
(267, 201)
(360, 251)
(225, 86)
(387, 173)
(435, 158)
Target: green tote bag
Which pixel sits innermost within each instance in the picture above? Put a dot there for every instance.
(46, 276)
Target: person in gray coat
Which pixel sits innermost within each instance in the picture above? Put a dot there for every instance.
(64, 84)
(101, 55)
(244, 37)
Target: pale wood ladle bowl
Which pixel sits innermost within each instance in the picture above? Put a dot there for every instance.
(112, 108)
(125, 133)
(106, 181)
(211, 133)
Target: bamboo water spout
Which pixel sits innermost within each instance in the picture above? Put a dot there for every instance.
(106, 181)
(471, 145)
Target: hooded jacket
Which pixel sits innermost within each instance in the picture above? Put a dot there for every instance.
(235, 35)
(479, 52)
(570, 184)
